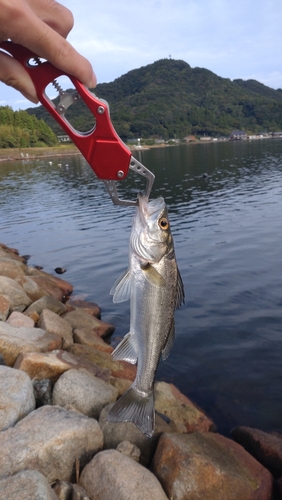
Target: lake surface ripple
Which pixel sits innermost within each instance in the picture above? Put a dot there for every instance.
(227, 231)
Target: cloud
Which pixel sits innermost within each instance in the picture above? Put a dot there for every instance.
(239, 40)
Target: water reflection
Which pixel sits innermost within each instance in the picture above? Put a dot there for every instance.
(227, 230)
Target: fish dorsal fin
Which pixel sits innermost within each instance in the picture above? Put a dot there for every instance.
(121, 290)
(153, 276)
(125, 350)
(169, 342)
(180, 294)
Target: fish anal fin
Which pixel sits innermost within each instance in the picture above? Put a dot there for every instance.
(125, 350)
(169, 342)
(153, 276)
(137, 408)
(121, 290)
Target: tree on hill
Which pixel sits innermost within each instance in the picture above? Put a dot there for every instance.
(20, 129)
(170, 99)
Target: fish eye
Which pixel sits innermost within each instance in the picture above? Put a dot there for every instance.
(163, 223)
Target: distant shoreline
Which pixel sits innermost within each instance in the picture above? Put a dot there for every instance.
(20, 154)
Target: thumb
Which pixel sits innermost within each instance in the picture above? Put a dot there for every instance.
(13, 74)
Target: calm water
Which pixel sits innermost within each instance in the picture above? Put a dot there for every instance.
(227, 229)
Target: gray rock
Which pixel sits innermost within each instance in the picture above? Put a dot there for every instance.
(46, 302)
(115, 433)
(11, 268)
(79, 319)
(16, 396)
(50, 440)
(84, 391)
(18, 319)
(19, 300)
(32, 289)
(51, 365)
(53, 323)
(26, 485)
(13, 341)
(130, 450)
(112, 476)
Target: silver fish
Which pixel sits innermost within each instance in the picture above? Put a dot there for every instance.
(154, 286)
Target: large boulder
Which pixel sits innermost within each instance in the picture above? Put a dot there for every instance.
(209, 466)
(32, 289)
(11, 268)
(17, 296)
(119, 369)
(18, 319)
(58, 288)
(14, 340)
(50, 365)
(26, 485)
(53, 323)
(50, 440)
(89, 307)
(85, 392)
(79, 319)
(183, 414)
(113, 476)
(90, 338)
(46, 302)
(16, 396)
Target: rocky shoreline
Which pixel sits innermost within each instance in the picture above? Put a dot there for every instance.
(58, 381)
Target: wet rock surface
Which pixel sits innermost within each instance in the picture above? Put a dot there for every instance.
(265, 447)
(58, 380)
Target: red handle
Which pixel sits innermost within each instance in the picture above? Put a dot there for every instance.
(103, 149)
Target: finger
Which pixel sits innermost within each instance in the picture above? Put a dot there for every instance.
(13, 74)
(54, 14)
(37, 36)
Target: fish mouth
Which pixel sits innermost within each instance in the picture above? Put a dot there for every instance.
(150, 209)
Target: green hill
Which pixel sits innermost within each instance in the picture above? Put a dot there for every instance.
(170, 99)
(19, 129)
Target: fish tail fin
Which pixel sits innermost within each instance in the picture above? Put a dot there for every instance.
(137, 408)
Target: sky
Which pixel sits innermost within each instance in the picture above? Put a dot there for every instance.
(233, 39)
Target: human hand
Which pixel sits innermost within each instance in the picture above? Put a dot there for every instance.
(41, 26)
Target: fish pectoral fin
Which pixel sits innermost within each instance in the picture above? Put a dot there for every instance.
(153, 276)
(180, 294)
(121, 289)
(125, 350)
(136, 408)
(169, 342)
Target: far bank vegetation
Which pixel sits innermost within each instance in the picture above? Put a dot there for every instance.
(18, 129)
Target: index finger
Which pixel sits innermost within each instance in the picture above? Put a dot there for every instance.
(36, 35)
